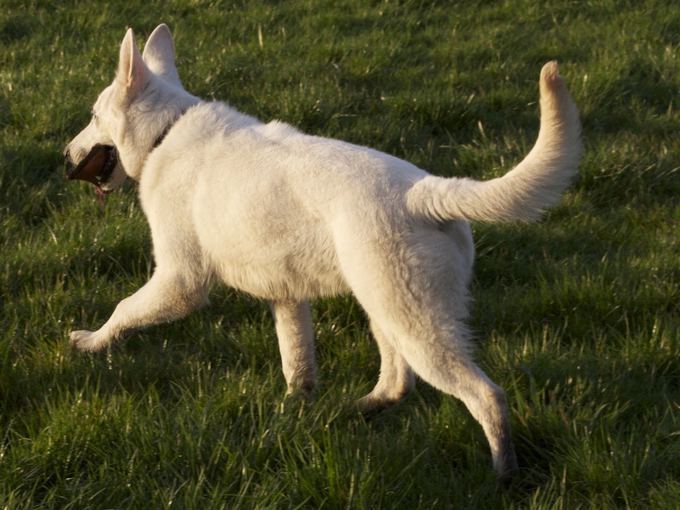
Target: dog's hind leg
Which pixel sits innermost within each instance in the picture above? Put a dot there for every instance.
(421, 313)
(166, 296)
(440, 363)
(396, 377)
(438, 355)
(293, 322)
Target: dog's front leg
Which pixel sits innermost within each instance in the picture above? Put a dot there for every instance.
(296, 342)
(166, 296)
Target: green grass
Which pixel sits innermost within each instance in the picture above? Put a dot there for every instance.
(577, 316)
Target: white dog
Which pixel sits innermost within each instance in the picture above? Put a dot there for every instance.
(288, 217)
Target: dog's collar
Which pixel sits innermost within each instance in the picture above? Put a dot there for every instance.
(165, 131)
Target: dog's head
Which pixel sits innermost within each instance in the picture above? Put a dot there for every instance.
(145, 97)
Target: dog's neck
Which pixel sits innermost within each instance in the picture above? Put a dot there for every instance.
(166, 130)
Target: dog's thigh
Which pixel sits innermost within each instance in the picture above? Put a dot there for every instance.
(294, 331)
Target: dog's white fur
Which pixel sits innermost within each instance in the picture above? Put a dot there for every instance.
(287, 217)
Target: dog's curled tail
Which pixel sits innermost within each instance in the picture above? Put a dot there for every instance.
(535, 184)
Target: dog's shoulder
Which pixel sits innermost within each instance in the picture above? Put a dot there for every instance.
(277, 130)
(218, 116)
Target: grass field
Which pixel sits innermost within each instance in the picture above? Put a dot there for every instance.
(577, 316)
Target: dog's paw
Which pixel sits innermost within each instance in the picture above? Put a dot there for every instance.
(87, 341)
(371, 404)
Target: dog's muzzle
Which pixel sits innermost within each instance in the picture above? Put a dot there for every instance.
(97, 166)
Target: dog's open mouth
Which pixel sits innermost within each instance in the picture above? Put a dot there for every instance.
(96, 167)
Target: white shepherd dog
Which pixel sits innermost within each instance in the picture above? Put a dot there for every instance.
(287, 217)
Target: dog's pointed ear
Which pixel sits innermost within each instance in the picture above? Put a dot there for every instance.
(132, 74)
(159, 53)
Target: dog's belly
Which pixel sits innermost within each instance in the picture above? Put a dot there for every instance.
(271, 262)
(281, 280)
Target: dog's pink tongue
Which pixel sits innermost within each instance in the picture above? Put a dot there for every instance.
(101, 195)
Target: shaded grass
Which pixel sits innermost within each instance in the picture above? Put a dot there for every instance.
(577, 316)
